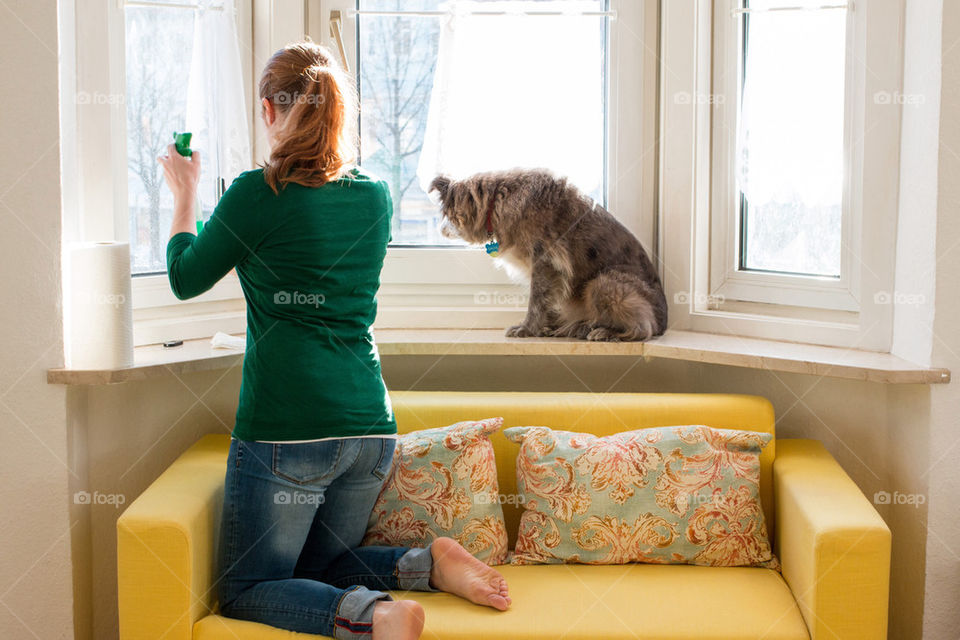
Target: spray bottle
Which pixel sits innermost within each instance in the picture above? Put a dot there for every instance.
(182, 142)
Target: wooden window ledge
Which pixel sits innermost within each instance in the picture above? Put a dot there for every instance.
(197, 355)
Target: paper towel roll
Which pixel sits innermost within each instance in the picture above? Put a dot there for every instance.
(99, 316)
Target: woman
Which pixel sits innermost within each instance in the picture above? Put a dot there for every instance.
(314, 434)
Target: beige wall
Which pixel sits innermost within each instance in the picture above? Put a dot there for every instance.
(942, 613)
(37, 471)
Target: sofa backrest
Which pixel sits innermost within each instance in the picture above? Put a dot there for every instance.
(597, 413)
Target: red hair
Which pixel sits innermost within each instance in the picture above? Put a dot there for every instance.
(317, 102)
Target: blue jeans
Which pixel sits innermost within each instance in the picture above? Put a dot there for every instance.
(293, 517)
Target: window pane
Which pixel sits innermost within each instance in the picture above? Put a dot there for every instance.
(790, 140)
(159, 43)
(398, 56)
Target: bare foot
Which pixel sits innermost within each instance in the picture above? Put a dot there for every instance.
(397, 620)
(456, 571)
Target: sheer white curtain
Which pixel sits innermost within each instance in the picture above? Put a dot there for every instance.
(216, 105)
(517, 91)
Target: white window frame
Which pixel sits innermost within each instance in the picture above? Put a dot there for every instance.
(705, 290)
(98, 208)
(421, 287)
(455, 287)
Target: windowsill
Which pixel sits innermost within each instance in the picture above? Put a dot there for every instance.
(152, 361)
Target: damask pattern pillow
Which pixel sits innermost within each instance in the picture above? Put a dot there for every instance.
(443, 482)
(666, 495)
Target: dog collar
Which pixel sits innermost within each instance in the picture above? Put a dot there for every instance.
(492, 246)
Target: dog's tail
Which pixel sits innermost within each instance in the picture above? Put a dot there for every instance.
(631, 307)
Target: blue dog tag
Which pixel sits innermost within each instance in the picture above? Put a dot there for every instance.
(493, 248)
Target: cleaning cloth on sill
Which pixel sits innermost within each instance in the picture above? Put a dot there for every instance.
(222, 340)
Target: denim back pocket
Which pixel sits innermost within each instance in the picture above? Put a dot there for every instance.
(382, 467)
(306, 462)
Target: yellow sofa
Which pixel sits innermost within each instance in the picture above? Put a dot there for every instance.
(834, 547)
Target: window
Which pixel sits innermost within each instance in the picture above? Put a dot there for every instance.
(158, 43)
(497, 106)
(162, 66)
(790, 139)
(174, 55)
(773, 124)
(425, 282)
(779, 107)
(395, 47)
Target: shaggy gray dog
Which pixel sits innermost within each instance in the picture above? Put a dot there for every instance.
(589, 276)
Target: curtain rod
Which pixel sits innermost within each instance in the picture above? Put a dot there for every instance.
(165, 5)
(846, 5)
(433, 14)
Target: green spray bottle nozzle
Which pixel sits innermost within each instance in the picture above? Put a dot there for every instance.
(182, 142)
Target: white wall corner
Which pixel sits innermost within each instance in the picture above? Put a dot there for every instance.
(914, 284)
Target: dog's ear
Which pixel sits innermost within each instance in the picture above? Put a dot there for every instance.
(441, 184)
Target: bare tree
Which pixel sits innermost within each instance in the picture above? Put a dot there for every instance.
(396, 77)
(153, 86)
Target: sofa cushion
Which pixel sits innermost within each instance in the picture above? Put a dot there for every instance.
(581, 602)
(684, 495)
(598, 413)
(443, 482)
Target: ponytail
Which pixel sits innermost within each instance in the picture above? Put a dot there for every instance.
(309, 90)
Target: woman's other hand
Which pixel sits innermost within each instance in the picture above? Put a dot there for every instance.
(182, 174)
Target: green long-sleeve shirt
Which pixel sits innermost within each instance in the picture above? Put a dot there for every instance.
(309, 262)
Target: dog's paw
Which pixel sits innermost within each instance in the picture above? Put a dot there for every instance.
(603, 334)
(578, 330)
(521, 331)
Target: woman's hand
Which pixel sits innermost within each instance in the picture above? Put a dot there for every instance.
(182, 174)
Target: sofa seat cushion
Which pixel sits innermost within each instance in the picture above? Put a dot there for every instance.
(580, 602)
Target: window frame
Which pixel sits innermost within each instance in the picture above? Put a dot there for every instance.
(696, 178)
(441, 287)
(422, 287)
(727, 280)
(100, 192)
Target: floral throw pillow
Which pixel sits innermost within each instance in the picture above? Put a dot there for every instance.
(443, 482)
(666, 495)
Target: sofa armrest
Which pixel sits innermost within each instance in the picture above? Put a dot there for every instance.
(166, 546)
(832, 543)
